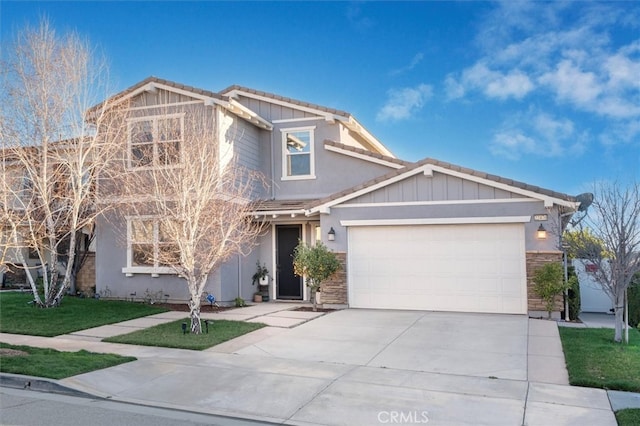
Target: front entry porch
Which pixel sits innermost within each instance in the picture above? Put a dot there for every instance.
(289, 286)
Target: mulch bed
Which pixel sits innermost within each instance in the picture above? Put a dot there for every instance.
(183, 307)
(12, 352)
(310, 309)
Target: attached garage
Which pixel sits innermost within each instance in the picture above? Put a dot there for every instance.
(477, 267)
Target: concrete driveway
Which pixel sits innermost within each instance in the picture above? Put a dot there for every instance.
(451, 343)
(367, 367)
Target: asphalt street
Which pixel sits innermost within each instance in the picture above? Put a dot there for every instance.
(26, 408)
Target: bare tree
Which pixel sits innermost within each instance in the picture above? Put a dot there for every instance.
(54, 148)
(195, 206)
(613, 243)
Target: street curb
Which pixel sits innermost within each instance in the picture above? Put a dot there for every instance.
(40, 384)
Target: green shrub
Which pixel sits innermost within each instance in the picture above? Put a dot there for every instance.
(317, 263)
(574, 298)
(634, 301)
(548, 283)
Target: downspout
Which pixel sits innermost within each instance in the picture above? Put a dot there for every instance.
(273, 167)
(565, 263)
(239, 277)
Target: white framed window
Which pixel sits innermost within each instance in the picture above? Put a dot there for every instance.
(155, 141)
(148, 246)
(298, 153)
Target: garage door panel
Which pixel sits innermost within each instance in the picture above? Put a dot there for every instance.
(475, 268)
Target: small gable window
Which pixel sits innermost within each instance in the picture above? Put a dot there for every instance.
(297, 148)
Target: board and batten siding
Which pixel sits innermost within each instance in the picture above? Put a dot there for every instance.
(270, 111)
(160, 98)
(440, 187)
(240, 140)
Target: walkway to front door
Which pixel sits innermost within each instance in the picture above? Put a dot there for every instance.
(288, 285)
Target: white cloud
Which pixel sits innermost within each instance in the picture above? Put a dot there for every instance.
(453, 88)
(539, 134)
(514, 84)
(565, 52)
(403, 103)
(512, 144)
(494, 84)
(570, 83)
(417, 58)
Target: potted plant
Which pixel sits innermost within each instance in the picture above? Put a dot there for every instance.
(257, 297)
(316, 264)
(261, 275)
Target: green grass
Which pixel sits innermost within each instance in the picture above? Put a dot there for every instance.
(55, 364)
(594, 360)
(169, 335)
(628, 417)
(17, 316)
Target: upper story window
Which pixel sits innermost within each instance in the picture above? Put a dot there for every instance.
(297, 148)
(155, 141)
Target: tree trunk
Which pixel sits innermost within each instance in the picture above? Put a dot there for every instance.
(195, 290)
(194, 314)
(619, 313)
(313, 296)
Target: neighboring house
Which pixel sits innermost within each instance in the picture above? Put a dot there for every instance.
(592, 297)
(424, 235)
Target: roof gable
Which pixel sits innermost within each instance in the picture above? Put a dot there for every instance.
(429, 166)
(329, 114)
(154, 84)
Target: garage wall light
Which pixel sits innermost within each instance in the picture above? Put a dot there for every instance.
(541, 233)
(332, 234)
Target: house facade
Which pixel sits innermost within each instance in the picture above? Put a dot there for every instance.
(425, 235)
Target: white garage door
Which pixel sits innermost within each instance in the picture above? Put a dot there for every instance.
(464, 268)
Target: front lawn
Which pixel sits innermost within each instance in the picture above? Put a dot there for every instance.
(54, 364)
(628, 417)
(594, 360)
(17, 316)
(169, 335)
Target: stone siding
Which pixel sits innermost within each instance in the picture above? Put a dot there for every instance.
(334, 290)
(86, 279)
(535, 259)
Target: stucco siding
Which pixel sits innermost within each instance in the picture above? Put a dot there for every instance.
(333, 171)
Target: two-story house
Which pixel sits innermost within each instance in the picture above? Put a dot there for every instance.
(411, 235)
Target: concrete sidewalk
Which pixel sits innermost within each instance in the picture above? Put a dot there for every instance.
(279, 315)
(362, 366)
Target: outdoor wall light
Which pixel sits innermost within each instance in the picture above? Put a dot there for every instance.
(541, 233)
(331, 235)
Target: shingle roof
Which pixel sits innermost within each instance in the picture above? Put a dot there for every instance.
(174, 84)
(284, 205)
(367, 153)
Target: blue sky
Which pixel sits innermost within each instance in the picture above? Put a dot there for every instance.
(543, 92)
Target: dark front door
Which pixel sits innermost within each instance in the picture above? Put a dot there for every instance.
(289, 286)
